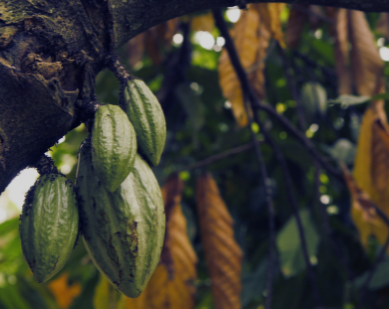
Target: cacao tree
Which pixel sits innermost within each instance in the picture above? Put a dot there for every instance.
(279, 108)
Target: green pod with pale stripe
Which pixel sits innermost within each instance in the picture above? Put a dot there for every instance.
(123, 231)
(146, 115)
(49, 225)
(114, 145)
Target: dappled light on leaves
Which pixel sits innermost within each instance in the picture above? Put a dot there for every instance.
(222, 253)
(172, 284)
(63, 292)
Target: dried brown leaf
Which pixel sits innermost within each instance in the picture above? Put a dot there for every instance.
(135, 49)
(383, 25)
(223, 255)
(366, 63)
(362, 211)
(371, 171)
(171, 286)
(339, 30)
(246, 43)
(158, 38)
(380, 156)
(295, 26)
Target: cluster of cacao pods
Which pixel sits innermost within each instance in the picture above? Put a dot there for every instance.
(116, 204)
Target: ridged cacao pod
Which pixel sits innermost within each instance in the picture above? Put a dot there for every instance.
(49, 225)
(114, 145)
(146, 115)
(123, 231)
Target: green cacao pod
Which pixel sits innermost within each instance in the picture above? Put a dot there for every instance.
(123, 231)
(49, 225)
(146, 115)
(114, 145)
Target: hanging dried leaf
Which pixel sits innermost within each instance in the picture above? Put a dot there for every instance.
(295, 26)
(255, 73)
(64, 293)
(246, 43)
(363, 212)
(223, 255)
(339, 31)
(203, 22)
(371, 169)
(383, 25)
(380, 156)
(366, 63)
(275, 10)
(135, 49)
(171, 286)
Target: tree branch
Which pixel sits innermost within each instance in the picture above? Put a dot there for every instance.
(133, 17)
(217, 157)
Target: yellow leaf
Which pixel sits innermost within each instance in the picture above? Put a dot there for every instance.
(171, 286)
(363, 213)
(275, 10)
(246, 42)
(64, 293)
(106, 296)
(295, 25)
(371, 169)
(270, 17)
(223, 255)
(203, 22)
(366, 63)
(339, 30)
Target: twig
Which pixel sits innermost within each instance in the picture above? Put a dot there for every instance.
(303, 140)
(221, 24)
(217, 157)
(45, 165)
(249, 93)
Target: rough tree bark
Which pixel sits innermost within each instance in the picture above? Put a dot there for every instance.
(50, 51)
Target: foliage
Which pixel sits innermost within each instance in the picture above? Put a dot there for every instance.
(328, 81)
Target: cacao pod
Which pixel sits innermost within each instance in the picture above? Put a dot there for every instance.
(114, 145)
(49, 225)
(123, 231)
(146, 115)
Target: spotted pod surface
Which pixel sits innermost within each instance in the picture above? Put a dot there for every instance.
(146, 115)
(114, 145)
(123, 231)
(49, 225)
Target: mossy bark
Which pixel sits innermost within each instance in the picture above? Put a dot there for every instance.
(50, 51)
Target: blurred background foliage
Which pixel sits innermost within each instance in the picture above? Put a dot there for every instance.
(179, 62)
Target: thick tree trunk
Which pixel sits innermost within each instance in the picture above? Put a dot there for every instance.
(50, 51)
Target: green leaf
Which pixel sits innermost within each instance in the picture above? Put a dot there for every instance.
(380, 278)
(289, 244)
(9, 226)
(11, 298)
(347, 100)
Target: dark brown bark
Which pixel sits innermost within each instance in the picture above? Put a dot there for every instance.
(50, 51)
